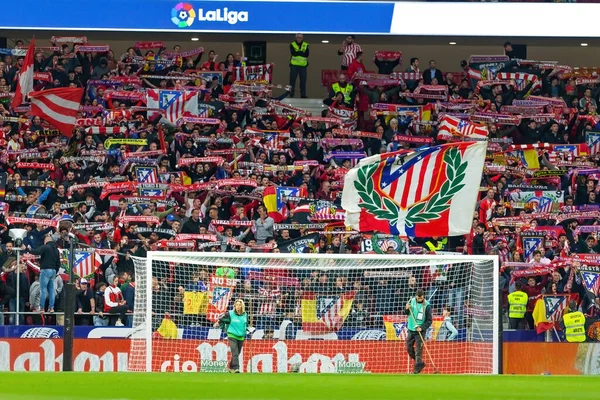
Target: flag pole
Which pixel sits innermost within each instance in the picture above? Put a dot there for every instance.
(69, 311)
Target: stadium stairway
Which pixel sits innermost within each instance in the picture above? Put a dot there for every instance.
(315, 106)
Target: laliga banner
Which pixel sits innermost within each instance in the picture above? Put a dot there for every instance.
(219, 295)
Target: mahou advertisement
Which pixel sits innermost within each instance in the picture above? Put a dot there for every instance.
(303, 356)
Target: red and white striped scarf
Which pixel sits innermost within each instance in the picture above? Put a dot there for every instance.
(522, 79)
(262, 72)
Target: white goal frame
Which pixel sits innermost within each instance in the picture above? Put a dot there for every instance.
(413, 260)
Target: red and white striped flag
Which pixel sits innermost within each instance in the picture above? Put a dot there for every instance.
(175, 104)
(335, 311)
(25, 82)
(59, 107)
(521, 79)
(84, 264)
(451, 127)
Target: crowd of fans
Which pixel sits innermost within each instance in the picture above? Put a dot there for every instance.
(250, 141)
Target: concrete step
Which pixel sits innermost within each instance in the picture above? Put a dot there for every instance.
(315, 106)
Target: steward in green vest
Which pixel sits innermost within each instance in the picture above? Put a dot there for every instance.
(299, 54)
(574, 323)
(298, 64)
(345, 88)
(235, 323)
(436, 244)
(419, 320)
(517, 306)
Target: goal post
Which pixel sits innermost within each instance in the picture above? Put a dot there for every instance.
(314, 312)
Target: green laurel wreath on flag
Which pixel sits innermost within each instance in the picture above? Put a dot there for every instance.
(373, 202)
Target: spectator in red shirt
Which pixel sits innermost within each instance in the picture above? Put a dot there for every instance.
(356, 66)
(486, 207)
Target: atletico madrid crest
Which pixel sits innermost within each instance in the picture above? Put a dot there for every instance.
(428, 192)
(425, 202)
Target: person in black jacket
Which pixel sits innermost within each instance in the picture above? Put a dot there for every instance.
(478, 240)
(86, 303)
(555, 133)
(431, 73)
(100, 319)
(11, 280)
(49, 266)
(531, 133)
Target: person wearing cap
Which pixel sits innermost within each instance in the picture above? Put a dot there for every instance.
(167, 224)
(86, 303)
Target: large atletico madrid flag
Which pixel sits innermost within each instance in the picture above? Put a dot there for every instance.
(427, 192)
(58, 107)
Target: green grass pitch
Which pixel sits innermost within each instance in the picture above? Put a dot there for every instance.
(130, 386)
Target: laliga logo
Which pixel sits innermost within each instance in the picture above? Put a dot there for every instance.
(183, 15)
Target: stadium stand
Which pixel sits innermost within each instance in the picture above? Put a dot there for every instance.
(236, 165)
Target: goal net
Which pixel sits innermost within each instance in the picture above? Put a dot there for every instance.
(314, 312)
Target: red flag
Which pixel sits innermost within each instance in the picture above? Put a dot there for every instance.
(25, 82)
(57, 106)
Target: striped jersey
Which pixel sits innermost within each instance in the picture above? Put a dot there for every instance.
(350, 53)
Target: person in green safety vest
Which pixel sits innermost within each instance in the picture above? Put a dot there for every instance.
(420, 318)
(342, 86)
(235, 323)
(517, 306)
(436, 243)
(298, 64)
(574, 322)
